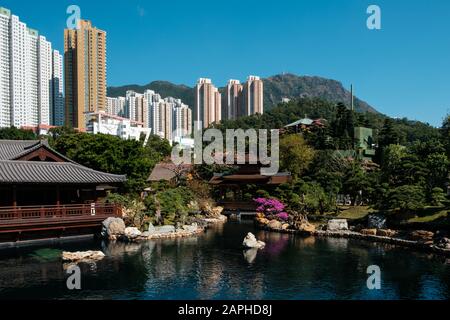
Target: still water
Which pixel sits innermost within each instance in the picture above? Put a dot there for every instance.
(214, 266)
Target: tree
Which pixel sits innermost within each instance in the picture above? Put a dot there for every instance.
(389, 134)
(314, 198)
(445, 132)
(437, 166)
(355, 182)
(114, 155)
(407, 198)
(391, 163)
(437, 196)
(344, 127)
(295, 154)
(159, 146)
(16, 134)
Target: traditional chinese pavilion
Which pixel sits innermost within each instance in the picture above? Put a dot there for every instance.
(41, 191)
(230, 184)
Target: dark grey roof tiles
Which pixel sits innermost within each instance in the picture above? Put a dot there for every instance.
(11, 149)
(53, 172)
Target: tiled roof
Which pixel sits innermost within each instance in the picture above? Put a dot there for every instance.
(168, 171)
(10, 149)
(53, 172)
(306, 122)
(279, 178)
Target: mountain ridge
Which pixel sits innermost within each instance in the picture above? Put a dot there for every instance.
(276, 88)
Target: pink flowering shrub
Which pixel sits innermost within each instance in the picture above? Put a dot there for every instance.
(283, 216)
(271, 207)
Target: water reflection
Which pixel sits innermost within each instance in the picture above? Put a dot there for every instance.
(250, 255)
(214, 266)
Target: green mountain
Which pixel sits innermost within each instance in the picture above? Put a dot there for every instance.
(291, 86)
(275, 89)
(164, 88)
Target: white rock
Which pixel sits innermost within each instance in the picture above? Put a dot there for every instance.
(113, 227)
(250, 241)
(165, 229)
(337, 225)
(191, 228)
(83, 256)
(132, 233)
(151, 228)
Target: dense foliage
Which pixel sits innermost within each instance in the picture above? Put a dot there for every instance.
(16, 134)
(410, 169)
(114, 155)
(409, 172)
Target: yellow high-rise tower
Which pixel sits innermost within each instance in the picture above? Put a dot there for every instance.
(85, 73)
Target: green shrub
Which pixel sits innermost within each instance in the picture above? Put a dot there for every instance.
(173, 205)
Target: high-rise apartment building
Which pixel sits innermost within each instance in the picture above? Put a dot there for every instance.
(208, 103)
(57, 113)
(168, 118)
(45, 81)
(5, 107)
(253, 97)
(182, 123)
(137, 108)
(85, 73)
(233, 99)
(164, 125)
(153, 100)
(26, 74)
(116, 106)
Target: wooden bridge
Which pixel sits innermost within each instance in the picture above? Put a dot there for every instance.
(42, 222)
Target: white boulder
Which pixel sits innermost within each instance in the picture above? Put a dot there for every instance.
(132, 233)
(251, 242)
(337, 225)
(86, 256)
(192, 228)
(113, 227)
(165, 229)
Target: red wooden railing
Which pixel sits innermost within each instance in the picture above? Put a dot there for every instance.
(82, 211)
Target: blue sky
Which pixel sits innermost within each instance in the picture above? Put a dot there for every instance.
(402, 70)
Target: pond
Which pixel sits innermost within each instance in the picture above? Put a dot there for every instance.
(214, 266)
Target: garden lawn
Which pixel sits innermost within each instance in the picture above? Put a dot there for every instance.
(354, 213)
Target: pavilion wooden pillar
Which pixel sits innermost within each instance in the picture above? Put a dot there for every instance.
(58, 196)
(14, 190)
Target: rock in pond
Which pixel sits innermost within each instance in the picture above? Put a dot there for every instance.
(83, 256)
(191, 229)
(151, 229)
(444, 243)
(251, 242)
(369, 232)
(165, 229)
(113, 227)
(306, 227)
(386, 233)
(275, 224)
(337, 225)
(421, 235)
(132, 233)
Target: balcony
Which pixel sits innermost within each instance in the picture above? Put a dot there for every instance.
(35, 219)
